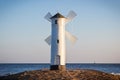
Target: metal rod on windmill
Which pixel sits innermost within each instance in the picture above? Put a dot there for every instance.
(57, 39)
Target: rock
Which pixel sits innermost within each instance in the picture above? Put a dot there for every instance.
(82, 74)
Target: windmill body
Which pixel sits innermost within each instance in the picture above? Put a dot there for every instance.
(57, 40)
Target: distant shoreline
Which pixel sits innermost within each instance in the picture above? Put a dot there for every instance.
(66, 63)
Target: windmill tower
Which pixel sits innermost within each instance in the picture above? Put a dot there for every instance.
(57, 39)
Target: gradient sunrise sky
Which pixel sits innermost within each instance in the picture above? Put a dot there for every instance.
(23, 30)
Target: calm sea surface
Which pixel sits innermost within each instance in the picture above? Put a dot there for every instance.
(16, 68)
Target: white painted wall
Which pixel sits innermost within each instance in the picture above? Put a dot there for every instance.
(58, 33)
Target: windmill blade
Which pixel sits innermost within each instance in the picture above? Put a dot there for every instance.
(48, 40)
(71, 15)
(70, 37)
(48, 16)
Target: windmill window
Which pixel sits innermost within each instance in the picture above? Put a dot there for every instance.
(57, 41)
(55, 21)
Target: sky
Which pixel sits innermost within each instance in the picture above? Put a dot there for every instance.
(23, 30)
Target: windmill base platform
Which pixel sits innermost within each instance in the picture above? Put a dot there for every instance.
(58, 67)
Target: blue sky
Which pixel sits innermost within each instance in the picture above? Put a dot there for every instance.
(23, 30)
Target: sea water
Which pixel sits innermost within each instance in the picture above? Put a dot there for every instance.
(6, 69)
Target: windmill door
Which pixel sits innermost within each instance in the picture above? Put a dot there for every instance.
(58, 59)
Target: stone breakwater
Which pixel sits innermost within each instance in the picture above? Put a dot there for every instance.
(81, 74)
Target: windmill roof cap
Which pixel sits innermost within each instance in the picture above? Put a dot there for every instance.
(58, 15)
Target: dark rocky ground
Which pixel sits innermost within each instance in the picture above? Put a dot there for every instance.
(61, 75)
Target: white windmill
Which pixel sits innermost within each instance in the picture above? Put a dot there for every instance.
(57, 39)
